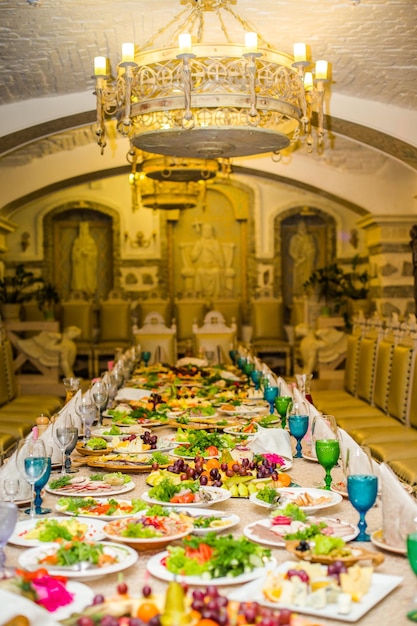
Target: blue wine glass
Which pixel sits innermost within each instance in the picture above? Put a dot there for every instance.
(298, 425)
(233, 355)
(241, 360)
(146, 356)
(362, 486)
(256, 376)
(270, 395)
(32, 462)
(248, 368)
(39, 485)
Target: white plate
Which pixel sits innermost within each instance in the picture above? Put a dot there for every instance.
(339, 488)
(100, 433)
(243, 410)
(126, 558)
(227, 520)
(277, 541)
(91, 516)
(155, 567)
(381, 586)
(218, 494)
(113, 490)
(236, 430)
(377, 539)
(94, 532)
(290, 494)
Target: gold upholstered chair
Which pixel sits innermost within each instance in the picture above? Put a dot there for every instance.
(157, 338)
(268, 332)
(115, 328)
(231, 310)
(77, 311)
(188, 311)
(214, 336)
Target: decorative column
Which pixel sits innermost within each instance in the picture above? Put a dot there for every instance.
(391, 262)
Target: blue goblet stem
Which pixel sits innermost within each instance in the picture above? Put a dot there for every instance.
(362, 491)
(298, 425)
(256, 376)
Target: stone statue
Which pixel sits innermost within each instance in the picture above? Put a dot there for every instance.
(53, 349)
(209, 263)
(323, 346)
(84, 261)
(303, 253)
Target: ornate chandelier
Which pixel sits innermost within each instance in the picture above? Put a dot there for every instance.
(203, 100)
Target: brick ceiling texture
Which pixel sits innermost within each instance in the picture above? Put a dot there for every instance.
(47, 48)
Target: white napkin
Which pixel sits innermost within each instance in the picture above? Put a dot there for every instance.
(347, 443)
(285, 389)
(272, 441)
(190, 360)
(399, 509)
(129, 393)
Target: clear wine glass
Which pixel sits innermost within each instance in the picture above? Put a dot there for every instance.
(61, 432)
(362, 485)
(71, 385)
(298, 424)
(325, 439)
(11, 488)
(32, 462)
(8, 519)
(40, 484)
(70, 447)
(86, 410)
(100, 396)
(411, 543)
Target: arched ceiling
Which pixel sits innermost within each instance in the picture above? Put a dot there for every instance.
(47, 107)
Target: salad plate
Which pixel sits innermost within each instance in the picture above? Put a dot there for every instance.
(381, 586)
(243, 409)
(91, 530)
(208, 497)
(263, 530)
(104, 433)
(124, 556)
(127, 463)
(377, 539)
(83, 486)
(306, 498)
(168, 527)
(156, 568)
(97, 509)
(208, 520)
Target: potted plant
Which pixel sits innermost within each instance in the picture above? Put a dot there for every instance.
(15, 289)
(47, 297)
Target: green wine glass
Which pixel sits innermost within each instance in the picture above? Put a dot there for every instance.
(325, 439)
(283, 405)
(412, 559)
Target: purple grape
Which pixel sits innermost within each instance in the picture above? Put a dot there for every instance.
(98, 599)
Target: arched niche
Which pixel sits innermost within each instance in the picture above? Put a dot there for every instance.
(61, 227)
(305, 235)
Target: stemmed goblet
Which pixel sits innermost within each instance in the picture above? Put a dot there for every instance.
(71, 385)
(11, 488)
(270, 395)
(282, 405)
(233, 355)
(70, 447)
(298, 424)
(146, 356)
(8, 519)
(362, 485)
(86, 410)
(100, 396)
(32, 462)
(412, 559)
(40, 484)
(248, 368)
(62, 432)
(325, 439)
(256, 376)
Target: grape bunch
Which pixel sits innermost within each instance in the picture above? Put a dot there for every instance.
(211, 605)
(335, 569)
(149, 439)
(253, 613)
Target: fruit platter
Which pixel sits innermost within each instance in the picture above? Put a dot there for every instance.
(241, 479)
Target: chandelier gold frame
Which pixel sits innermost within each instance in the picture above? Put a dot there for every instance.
(209, 101)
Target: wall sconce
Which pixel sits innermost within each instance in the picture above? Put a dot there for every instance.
(25, 241)
(139, 241)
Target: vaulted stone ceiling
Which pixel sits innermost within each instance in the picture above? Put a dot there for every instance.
(46, 57)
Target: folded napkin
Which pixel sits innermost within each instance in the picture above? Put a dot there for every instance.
(284, 388)
(129, 393)
(399, 509)
(361, 464)
(272, 441)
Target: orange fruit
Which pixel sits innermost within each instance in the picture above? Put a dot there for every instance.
(147, 611)
(211, 463)
(284, 479)
(206, 622)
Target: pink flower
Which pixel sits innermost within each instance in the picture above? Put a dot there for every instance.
(274, 458)
(51, 593)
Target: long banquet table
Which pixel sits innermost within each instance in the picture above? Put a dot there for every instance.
(391, 610)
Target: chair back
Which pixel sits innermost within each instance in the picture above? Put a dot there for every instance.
(115, 321)
(157, 305)
(366, 368)
(155, 337)
(188, 312)
(78, 312)
(402, 364)
(267, 320)
(214, 336)
(383, 371)
(350, 381)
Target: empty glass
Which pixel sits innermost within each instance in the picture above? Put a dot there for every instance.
(325, 439)
(11, 488)
(297, 416)
(146, 357)
(32, 463)
(270, 395)
(62, 432)
(100, 396)
(70, 447)
(86, 410)
(282, 405)
(40, 484)
(8, 519)
(71, 385)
